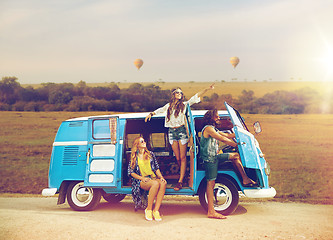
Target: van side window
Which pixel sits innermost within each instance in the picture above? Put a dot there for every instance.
(130, 139)
(158, 140)
(101, 129)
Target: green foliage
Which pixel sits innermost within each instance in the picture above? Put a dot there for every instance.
(139, 98)
(9, 89)
(61, 93)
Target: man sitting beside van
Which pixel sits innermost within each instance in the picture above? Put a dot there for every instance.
(209, 154)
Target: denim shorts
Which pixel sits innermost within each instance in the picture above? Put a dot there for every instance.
(211, 167)
(178, 134)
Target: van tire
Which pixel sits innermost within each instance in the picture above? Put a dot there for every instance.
(82, 198)
(227, 200)
(112, 198)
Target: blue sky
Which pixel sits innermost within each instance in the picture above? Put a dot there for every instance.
(98, 41)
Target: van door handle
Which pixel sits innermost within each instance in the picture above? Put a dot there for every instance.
(88, 156)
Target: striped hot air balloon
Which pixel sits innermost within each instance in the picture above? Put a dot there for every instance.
(138, 63)
(234, 61)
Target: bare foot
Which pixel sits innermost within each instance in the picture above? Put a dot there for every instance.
(249, 182)
(216, 215)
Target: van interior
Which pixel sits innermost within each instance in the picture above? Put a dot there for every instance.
(156, 137)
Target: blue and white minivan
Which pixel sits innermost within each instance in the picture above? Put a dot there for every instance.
(90, 157)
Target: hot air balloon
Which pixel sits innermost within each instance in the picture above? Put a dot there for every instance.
(234, 61)
(138, 63)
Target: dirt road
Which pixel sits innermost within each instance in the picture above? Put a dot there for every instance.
(40, 218)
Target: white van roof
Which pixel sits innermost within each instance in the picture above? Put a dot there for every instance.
(139, 115)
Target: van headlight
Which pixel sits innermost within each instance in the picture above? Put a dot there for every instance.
(267, 169)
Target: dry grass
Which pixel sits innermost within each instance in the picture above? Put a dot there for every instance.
(25, 147)
(298, 148)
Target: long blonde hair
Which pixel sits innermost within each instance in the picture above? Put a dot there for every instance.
(135, 151)
(176, 104)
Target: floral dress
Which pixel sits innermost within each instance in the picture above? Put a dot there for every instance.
(139, 195)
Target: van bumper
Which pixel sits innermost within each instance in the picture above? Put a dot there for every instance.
(260, 193)
(47, 192)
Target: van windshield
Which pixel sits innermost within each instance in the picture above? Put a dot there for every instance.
(236, 118)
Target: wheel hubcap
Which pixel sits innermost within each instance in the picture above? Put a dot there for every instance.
(82, 196)
(222, 197)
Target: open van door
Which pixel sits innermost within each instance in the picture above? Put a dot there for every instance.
(102, 156)
(192, 145)
(245, 139)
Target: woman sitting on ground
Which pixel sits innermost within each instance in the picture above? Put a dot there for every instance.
(144, 170)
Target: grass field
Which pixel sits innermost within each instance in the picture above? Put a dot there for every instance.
(298, 148)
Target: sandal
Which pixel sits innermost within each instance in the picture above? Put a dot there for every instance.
(178, 186)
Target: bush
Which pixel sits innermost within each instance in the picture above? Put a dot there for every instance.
(139, 98)
(34, 106)
(80, 104)
(5, 107)
(116, 106)
(280, 102)
(19, 106)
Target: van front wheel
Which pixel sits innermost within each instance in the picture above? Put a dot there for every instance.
(82, 198)
(226, 196)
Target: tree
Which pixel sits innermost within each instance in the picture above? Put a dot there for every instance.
(29, 94)
(102, 93)
(9, 89)
(61, 93)
(280, 102)
(80, 88)
(247, 102)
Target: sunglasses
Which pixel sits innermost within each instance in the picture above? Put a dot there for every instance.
(178, 92)
(142, 141)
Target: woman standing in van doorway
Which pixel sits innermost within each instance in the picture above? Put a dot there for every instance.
(147, 176)
(175, 121)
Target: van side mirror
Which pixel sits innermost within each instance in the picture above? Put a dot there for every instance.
(257, 127)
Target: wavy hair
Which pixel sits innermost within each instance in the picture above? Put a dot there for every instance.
(175, 104)
(208, 118)
(135, 151)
